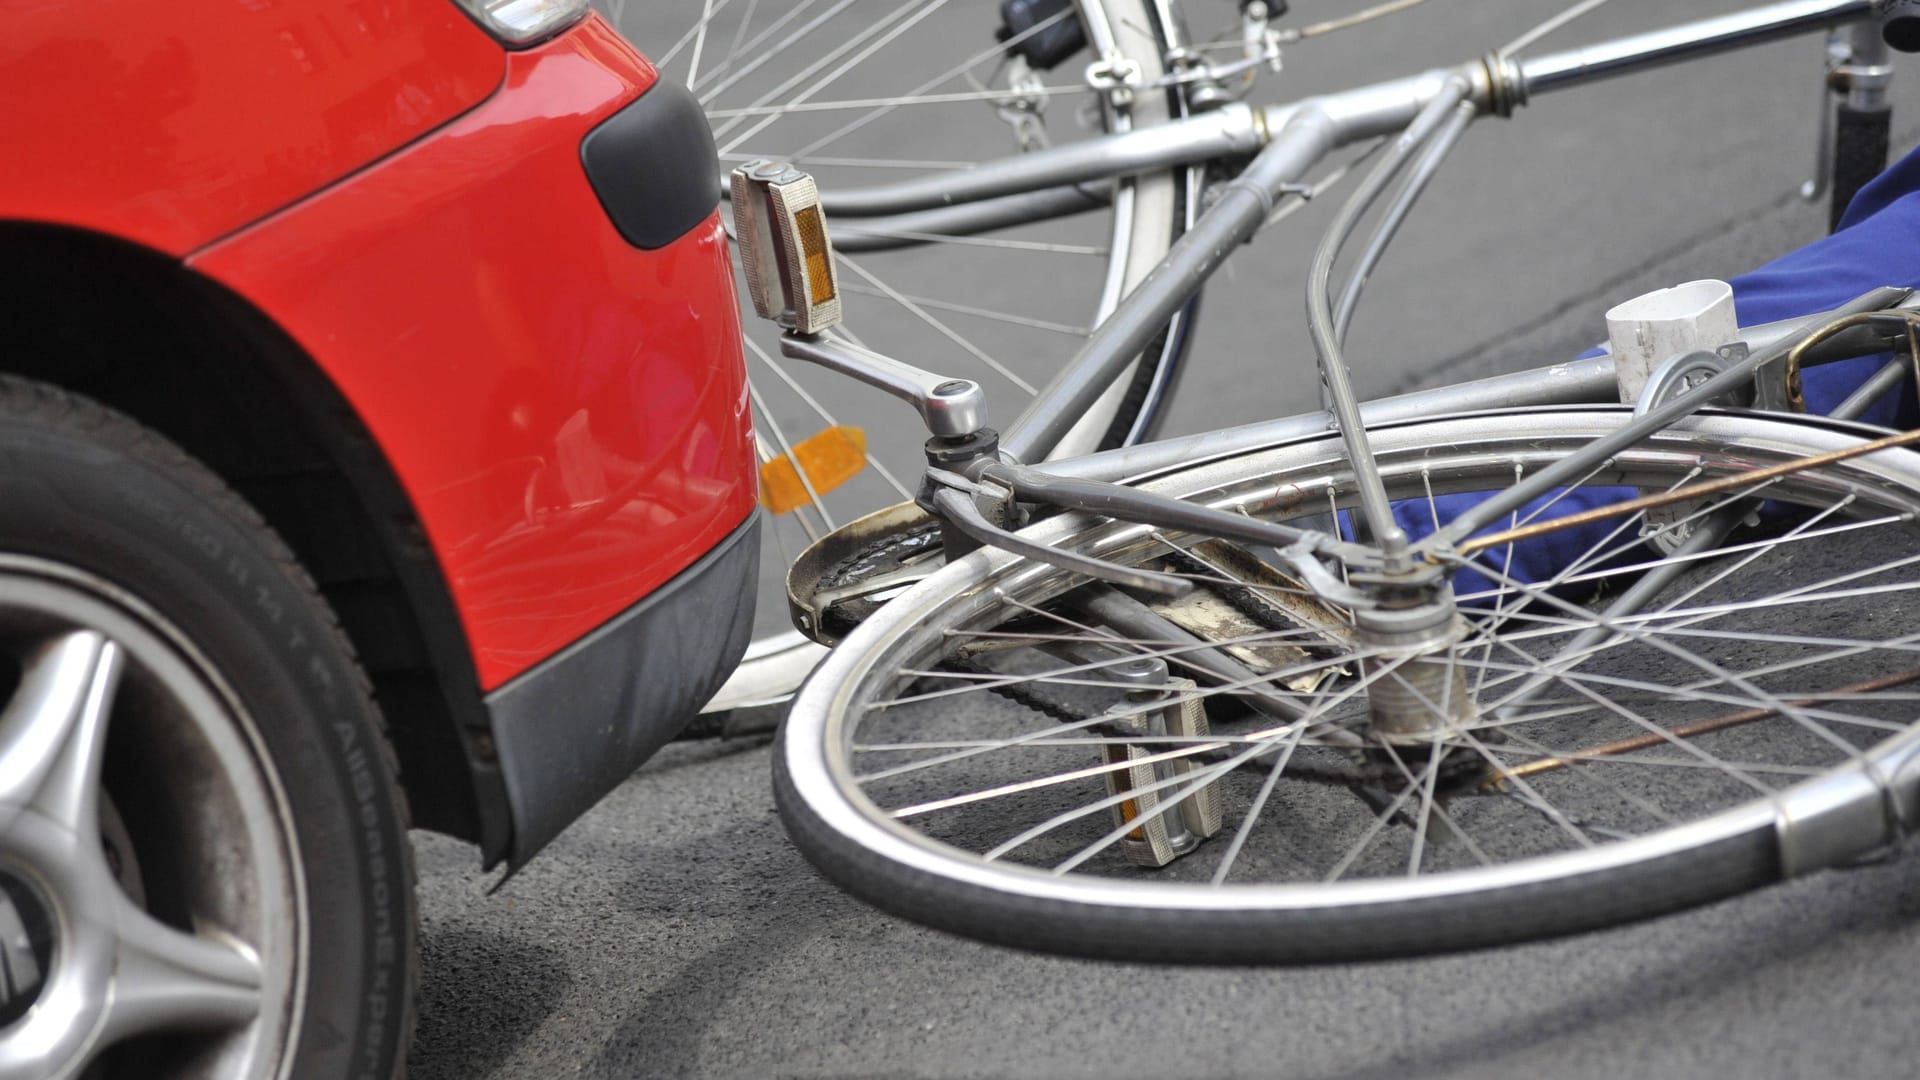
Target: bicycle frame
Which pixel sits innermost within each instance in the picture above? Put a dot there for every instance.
(1427, 111)
(1032, 179)
(1290, 139)
(1587, 381)
(1405, 639)
(1306, 131)
(1237, 128)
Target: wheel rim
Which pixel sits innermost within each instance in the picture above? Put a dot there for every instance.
(104, 694)
(945, 305)
(826, 724)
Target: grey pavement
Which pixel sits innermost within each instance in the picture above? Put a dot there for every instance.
(674, 932)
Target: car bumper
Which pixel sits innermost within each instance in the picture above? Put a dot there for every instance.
(576, 725)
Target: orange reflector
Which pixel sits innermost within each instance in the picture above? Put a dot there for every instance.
(1129, 809)
(813, 244)
(830, 458)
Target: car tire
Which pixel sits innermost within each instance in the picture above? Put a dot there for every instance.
(141, 537)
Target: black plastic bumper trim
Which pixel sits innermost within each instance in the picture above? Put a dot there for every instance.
(571, 729)
(653, 166)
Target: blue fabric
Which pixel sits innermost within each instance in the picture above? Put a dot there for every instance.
(1877, 243)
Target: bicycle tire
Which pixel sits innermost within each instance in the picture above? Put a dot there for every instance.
(1723, 847)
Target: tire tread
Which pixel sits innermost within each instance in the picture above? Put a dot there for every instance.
(53, 408)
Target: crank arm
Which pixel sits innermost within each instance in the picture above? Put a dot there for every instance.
(950, 408)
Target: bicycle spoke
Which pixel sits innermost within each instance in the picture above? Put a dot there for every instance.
(1186, 780)
(694, 31)
(1051, 780)
(739, 36)
(1520, 784)
(1754, 550)
(1538, 514)
(1572, 575)
(1446, 818)
(927, 165)
(1174, 699)
(1205, 776)
(887, 28)
(1499, 605)
(1090, 741)
(1572, 759)
(762, 57)
(948, 98)
(1190, 784)
(857, 228)
(1417, 850)
(1693, 617)
(944, 330)
(699, 43)
(997, 50)
(1240, 834)
(1380, 822)
(779, 370)
(1592, 553)
(984, 313)
(1687, 656)
(1657, 692)
(1169, 652)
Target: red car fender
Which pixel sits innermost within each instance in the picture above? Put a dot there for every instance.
(172, 124)
(567, 412)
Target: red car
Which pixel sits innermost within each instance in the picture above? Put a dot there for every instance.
(374, 449)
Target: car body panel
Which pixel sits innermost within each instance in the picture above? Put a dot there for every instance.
(568, 413)
(172, 124)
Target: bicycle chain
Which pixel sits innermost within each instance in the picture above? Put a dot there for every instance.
(1240, 598)
(1025, 694)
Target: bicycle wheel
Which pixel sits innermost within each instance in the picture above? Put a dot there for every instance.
(862, 93)
(969, 758)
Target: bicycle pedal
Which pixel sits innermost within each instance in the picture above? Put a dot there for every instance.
(1161, 835)
(785, 253)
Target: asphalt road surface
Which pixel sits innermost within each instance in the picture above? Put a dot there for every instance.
(674, 932)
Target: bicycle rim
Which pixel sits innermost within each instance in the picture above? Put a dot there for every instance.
(1745, 725)
(865, 92)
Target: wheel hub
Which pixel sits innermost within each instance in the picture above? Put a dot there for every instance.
(1417, 694)
(83, 964)
(62, 1022)
(26, 946)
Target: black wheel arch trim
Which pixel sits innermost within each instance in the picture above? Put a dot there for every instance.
(148, 296)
